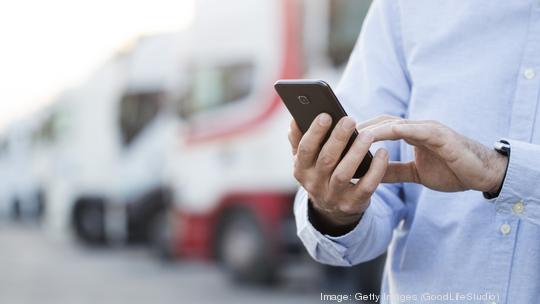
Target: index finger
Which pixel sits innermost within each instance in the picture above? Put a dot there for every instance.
(415, 133)
(376, 120)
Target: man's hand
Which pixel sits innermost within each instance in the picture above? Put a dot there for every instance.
(444, 159)
(338, 203)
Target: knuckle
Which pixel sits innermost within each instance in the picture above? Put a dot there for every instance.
(312, 189)
(441, 131)
(341, 178)
(341, 135)
(317, 129)
(326, 200)
(327, 160)
(395, 128)
(367, 189)
(363, 140)
(308, 186)
(347, 208)
(449, 132)
(439, 127)
(298, 174)
(296, 164)
(365, 134)
(304, 149)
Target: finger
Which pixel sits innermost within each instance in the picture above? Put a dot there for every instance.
(385, 122)
(310, 144)
(401, 173)
(333, 148)
(294, 136)
(346, 168)
(375, 121)
(424, 134)
(369, 182)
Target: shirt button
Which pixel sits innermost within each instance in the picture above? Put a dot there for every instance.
(518, 207)
(505, 229)
(529, 73)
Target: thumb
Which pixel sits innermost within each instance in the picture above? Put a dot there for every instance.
(401, 173)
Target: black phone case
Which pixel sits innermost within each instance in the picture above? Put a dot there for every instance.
(306, 99)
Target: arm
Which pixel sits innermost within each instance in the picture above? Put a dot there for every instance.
(448, 161)
(375, 82)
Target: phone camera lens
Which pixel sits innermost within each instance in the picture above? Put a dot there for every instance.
(303, 100)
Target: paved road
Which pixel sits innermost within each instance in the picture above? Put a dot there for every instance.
(35, 268)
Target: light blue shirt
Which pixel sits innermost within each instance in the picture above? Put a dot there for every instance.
(473, 65)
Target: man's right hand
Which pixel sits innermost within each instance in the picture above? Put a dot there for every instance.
(338, 203)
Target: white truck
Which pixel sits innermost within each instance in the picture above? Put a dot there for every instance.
(111, 135)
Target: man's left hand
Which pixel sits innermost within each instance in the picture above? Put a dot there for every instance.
(444, 159)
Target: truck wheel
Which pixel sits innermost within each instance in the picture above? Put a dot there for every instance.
(16, 209)
(162, 236)
(243, 250)
(41, 205)
(89, 221)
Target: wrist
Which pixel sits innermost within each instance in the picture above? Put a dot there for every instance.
(332, 223)
(499, 165)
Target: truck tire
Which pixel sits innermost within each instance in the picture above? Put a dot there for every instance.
(162, 236)
(15, 211)
(89, 221)
(243, 250)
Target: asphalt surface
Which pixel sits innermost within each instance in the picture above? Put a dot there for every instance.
(35, 268)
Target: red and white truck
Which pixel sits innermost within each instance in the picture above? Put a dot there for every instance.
(230, 172)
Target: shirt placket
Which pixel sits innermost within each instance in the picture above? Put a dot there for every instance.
(522, 124)
(524, 108)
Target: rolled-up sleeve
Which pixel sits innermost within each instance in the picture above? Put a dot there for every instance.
(375, 82)
(520, 193)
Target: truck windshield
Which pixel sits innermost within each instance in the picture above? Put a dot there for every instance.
(136, 112)
(216, 86)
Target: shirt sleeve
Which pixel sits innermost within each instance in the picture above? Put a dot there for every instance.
(375, 82)
(520, 194)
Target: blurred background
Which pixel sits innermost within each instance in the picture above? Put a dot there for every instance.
(144, 153)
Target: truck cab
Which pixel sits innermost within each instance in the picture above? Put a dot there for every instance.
(113, 130)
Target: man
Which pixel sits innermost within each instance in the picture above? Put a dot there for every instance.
(460, 220)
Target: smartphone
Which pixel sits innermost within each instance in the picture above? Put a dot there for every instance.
(306, 99)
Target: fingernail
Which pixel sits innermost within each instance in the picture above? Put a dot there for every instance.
(382, 153)
(324, 119)
(365, 137)
(348, 124)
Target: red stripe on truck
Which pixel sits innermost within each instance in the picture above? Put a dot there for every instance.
(290, 69)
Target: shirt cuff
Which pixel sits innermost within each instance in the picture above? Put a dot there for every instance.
(520, 194)
(335, 247)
